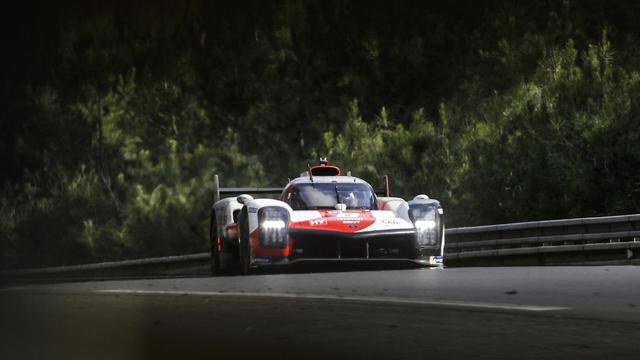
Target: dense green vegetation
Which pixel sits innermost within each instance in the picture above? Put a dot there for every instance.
(117, 115)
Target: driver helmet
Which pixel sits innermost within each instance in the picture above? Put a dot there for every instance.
(350, 200)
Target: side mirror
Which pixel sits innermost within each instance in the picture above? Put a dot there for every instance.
(244, 198)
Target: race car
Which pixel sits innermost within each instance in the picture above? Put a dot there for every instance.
(322, 215)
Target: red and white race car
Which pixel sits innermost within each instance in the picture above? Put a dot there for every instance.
(323, 215)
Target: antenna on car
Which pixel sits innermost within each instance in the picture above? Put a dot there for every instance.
(310, 176)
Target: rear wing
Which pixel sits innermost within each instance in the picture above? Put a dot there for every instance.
(217, 190)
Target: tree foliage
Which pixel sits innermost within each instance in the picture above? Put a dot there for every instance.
(118, 114)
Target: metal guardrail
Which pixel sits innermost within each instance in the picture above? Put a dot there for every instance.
(150, 266)
(611, 238)
(581, 240)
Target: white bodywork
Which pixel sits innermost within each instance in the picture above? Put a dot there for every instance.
(392, 216)
(224, 210)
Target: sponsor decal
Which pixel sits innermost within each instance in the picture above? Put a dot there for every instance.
(435, 260)
(253, 210)
(390, 221)
(316, 222)
(347, 215)
(329, 220)
(262, 259)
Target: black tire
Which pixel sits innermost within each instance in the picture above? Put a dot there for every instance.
(213, 240)
(215, 259)
(243, 224)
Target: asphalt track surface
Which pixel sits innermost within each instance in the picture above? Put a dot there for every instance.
(456, 313)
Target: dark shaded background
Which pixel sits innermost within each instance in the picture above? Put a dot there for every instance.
(116, 114)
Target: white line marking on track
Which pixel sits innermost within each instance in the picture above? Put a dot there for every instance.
(374, 299)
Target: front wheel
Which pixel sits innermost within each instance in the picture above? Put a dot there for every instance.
(214, 241)
(216, 246)
(245, 258)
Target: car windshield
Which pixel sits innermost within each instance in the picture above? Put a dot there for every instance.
(327, 195)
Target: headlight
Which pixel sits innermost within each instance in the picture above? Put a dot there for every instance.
(274, 226)
(425, 224)
(425, 219)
